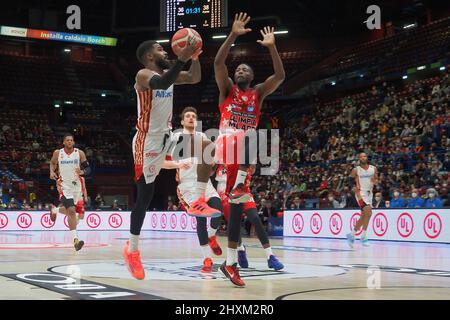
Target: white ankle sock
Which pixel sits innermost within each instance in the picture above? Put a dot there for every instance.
(211, 232)
(74, 234)
(199, 190)
(268, 252)
(134, 243)
(364, 234)
(240, 178)
(206, 251)
(241, 248)
(231, 256)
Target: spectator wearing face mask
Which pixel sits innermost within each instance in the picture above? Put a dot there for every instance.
(332, 202)
(415, 201)
(397, 201)
(432, 199)
(378, 201)
(387, 204)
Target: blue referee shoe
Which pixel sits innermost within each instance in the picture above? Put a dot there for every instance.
(242, 258)
(274, 263)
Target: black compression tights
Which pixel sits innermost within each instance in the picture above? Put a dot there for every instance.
(202, 231)
(144, 197)
(234, 224)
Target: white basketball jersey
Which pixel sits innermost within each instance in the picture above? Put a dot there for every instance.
(365, 177)
(154, 109)
(185, 174)
(67, 163)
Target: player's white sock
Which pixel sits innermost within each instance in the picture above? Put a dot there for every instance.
(206, 251)
(240, 178)
(231, 256)
(241, 248)
(364, 234)
(134, 243)
(74, 234)
(199, 190)
(211, 232)
(221, 186)
(268, 252)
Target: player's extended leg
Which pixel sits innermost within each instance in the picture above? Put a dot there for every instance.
(367, 214)
(202, 235)
(69, 206)
(196, 201)
(247, 158)
(131, 251)
(272, 261)
(216, 203)
(229, 267)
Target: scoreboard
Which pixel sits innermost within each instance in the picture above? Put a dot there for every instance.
(178, 14)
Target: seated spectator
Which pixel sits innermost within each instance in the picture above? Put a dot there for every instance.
(415, 201)
(397, 201)
(433, 200)
(115, 206)
(378, 201)
(332, 203)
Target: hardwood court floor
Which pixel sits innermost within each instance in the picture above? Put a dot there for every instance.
(32, 265)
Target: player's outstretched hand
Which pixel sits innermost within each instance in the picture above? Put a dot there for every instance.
(190, 49)
(268, 37)
(240, 20)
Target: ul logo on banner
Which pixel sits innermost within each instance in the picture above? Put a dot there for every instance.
(380, 224)
(405, 225)
(24, 220)
(335, 223)
(316, 223)
(432, 225)
(297, 223)
(194, 223)
(184, 221)
(3, 220)
(173, 221)
(163, 221)
(115, 220)
(93, 220)
(46, 222)
(154, 221)
(353, 220)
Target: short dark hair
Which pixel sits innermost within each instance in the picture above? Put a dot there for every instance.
(188, 109)
(67, 135)
(143, 48)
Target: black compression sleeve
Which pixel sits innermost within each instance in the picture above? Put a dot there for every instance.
(86, 168)
(167, 79)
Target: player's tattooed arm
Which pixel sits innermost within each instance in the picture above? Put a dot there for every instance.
(192, 76)
(54, 165)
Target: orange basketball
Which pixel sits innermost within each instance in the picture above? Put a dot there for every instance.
(180, 38)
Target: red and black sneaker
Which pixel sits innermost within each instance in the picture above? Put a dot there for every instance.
(214, 245)
(240, 194)
(232, 273)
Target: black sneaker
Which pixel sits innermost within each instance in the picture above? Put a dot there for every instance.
(78, 244)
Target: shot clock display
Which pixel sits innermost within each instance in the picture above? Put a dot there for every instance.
(178, 14)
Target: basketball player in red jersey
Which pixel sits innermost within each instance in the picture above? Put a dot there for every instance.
(154, 90)
(240, 106)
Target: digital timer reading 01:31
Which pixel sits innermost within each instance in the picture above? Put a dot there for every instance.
(192, 10)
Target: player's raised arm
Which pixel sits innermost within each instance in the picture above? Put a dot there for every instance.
(149, 79)
(54, 165)
(220, 69)
(194, 74)
(272, 82)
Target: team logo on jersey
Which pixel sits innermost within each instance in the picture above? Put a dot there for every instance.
(250, 108)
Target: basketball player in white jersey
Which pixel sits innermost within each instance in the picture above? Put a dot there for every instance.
(71, 163)
(154, 90)
(188, 169)
(79, 197)
(362, 179)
